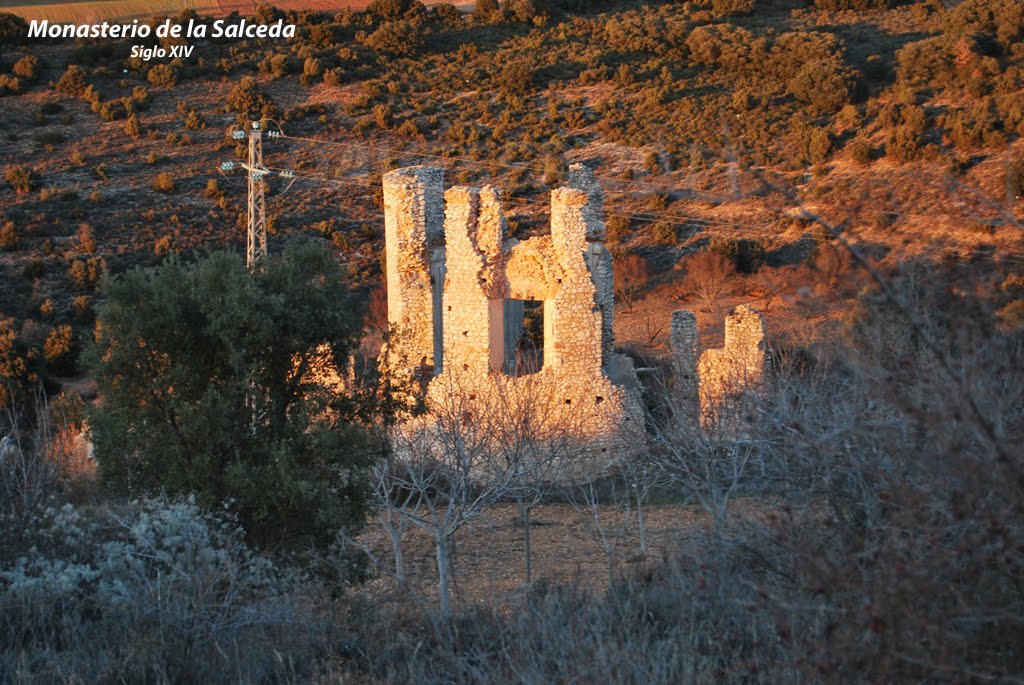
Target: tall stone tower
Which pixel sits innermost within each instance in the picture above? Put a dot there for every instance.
(413, 233)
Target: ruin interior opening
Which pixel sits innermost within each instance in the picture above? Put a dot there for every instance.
(525, 354)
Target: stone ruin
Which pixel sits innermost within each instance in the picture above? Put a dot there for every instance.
(713, 388)
(458, 291)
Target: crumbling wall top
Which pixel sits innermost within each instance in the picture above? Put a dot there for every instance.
(416, 193)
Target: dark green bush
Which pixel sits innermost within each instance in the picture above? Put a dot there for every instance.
(164, 182)
(861, 150)
(925, 61)
(217, 392)
(856, 5)
(902, 144)
(247, 99)
(383, 116)
(747, 255)
(132, 126)
(969, 129)
(485, 8)
(815, 143)
(59, 350)
(10, 84)
(86, 273)
(277, 65)
(393, 10)
(1002, 20)
(723, 45)
(1015, 179)
(9, 238)
(664, 233)
(110, 110)
(13, 29)
(516, 78)
(825, 86)
(522, 10)
(195, 120)
(618, 228)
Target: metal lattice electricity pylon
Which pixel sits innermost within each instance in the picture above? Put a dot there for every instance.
(256, 234)
(256, 220)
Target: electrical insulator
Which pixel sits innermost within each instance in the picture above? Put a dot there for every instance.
(227, 166)
(274, 134)
(238, 135)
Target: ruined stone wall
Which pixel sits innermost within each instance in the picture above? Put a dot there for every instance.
(721, 379)
(413, 226)
(486, 278)
(685, 347)
(466, 308)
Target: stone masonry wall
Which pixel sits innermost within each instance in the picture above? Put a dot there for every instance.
(413, 224)
(720, 378)
(485, 279)
(685, 356)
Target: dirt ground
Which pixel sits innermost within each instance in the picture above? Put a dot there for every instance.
(489, 558)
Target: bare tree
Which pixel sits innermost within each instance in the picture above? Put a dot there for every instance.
(539, 441)
(604, 507)
(712, 472)
(709, 277)
(768, 285)
(391, 504)
(470, 450)
(39, 453)
(643, 474)
(632, 272)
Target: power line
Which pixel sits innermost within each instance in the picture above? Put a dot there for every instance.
(256, 224)
(1004, 256)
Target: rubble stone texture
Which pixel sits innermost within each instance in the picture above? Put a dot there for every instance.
(685, 348)
(721, 378)
(413, 222)
(457, 290)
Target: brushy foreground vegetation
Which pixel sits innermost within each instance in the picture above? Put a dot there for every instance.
(885, 546)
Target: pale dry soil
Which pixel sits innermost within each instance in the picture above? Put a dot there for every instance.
(489, 558)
